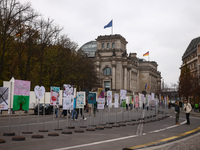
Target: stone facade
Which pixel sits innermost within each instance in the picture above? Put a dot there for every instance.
(117, 70)
(191, 57)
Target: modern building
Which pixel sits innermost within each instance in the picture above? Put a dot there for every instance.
(117, 70)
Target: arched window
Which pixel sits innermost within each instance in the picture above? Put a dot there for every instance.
(107, 71)
(113, 45)
(102, 45)
(108, 45)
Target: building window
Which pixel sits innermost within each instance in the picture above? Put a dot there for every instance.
(107, 85)
(107, 71)
(113, 45)
(102, 45)
(108, 45)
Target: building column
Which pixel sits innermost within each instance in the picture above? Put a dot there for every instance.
(113, 77)
(130, 80)
(125, 77)
(98, 72)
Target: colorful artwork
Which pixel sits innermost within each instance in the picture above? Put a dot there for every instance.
(133, 102)
(127, 100)
(130, 99)
(68, 97)
(123, 103)
(80, 100)
(136, 101)
(92, 98)
(55, 95)
(116, 100)
(39, 91)
(101, 93)
(68, 90)
(109, 98)
(100, 103)
(21, 95)
(122, 94)
(153, 103)
(152, 96)
(4, 98)
(140, 101)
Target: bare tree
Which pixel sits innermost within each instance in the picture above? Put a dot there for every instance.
(48, 34)
(12, 15)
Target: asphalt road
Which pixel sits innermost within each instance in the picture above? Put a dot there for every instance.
(115, 138)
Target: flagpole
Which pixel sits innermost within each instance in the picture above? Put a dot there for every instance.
(112, 28)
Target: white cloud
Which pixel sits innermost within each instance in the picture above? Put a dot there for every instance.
(162, 27)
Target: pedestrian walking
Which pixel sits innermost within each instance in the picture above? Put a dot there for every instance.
(177, 112)
(188, 109)
(73, 114)
(95, 109)
(81, 112)
(64, 113)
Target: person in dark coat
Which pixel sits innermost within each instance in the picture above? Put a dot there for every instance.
(177, 112)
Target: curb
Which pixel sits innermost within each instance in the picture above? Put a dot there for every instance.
(164, 141)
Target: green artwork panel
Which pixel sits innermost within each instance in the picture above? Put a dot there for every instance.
(21, 102)
(124, 103)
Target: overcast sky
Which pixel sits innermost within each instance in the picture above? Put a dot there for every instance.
(163, 27)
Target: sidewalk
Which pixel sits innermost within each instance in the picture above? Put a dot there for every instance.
(192, 113)
(17, 113)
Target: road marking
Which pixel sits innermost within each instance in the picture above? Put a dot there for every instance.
(95, 143)
(166, 128)
(163, 140)
(118, 139)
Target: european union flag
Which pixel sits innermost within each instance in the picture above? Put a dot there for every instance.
(108, 25)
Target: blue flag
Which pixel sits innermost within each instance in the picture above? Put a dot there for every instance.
(145, 86)
(108, 25)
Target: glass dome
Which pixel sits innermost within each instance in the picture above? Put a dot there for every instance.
(90, 48)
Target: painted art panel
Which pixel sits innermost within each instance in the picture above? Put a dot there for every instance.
(101, 93)
(109, 98)
(21, 102)
(21, 95)
(152, 96)
(4, 98)
(80, 100)
(136, 101)
(68, 97)
(100, 103)
(68, 90)
(122, 94)
(22, 87)
(131, 99)
(140, 101)
(127, 100)
(92, 98)
(54, 95)
(123, 103)
(116, 100)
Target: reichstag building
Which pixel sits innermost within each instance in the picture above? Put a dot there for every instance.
(118, 70)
